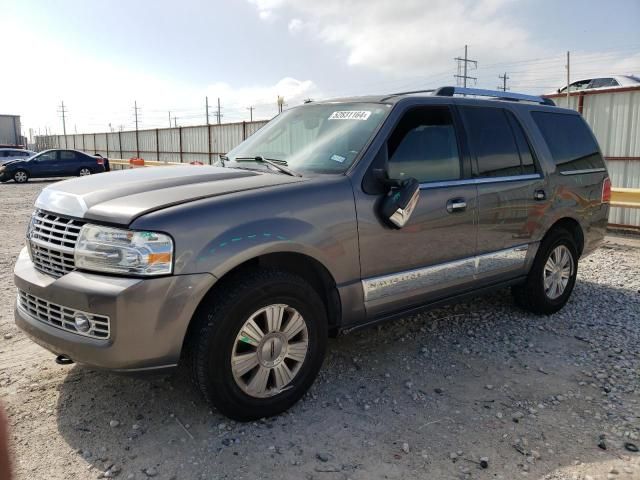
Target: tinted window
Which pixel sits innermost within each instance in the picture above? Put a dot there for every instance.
(570, 141)
(492, 141)
(603, 82)
(47, 157)
(67, 155)
(424, 146)
(524, 148)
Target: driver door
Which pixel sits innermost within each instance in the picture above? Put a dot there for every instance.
(45, 165)
(434, 252)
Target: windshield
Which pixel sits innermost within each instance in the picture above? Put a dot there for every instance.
(318, 138)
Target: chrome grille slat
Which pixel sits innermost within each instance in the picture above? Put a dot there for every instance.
(53, 239)
(61, 317)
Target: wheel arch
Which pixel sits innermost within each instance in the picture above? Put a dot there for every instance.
(573, 227)
(305, 266)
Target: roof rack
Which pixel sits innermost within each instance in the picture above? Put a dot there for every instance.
(499, 94)
(479, 92)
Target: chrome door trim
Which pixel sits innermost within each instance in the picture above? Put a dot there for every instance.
(476, 181)
(586, 170)
(430, 278)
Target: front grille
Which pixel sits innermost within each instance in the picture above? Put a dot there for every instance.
(62, 317)
(52, 240)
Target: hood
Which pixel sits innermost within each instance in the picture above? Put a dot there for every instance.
(15, 162)
(120, 197)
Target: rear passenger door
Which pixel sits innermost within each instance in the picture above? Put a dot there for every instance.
(511, 191)
(68, 164)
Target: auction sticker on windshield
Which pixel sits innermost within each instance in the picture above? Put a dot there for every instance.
(350, 115)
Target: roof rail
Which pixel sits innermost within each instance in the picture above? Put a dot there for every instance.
(451, 91)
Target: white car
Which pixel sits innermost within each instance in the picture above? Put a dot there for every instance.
(612, 81)
(7, 154)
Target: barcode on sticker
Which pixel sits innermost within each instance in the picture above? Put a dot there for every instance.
(350, 115)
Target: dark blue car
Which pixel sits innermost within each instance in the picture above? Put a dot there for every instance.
(53, 163)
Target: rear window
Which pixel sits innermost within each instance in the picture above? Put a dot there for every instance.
(570, 141)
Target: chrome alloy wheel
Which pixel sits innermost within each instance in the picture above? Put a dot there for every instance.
(269, 350)
(20, 177)
(84, 172)
(557, 272)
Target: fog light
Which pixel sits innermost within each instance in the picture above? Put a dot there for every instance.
(82, 322)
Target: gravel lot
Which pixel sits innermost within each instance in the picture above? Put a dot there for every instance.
(431, 396)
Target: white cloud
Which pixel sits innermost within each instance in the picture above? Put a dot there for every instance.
(296, 25)
(99, 92)
(410, 36)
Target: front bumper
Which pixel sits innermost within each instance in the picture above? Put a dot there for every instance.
(148, 317)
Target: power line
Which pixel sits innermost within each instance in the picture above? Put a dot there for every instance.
(463, 67)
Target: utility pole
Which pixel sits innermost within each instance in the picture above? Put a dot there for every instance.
(250, 113)
(169, 119)
(462, 76)
(175, 122)
(135, 111)
(64, 111)
(568, 77)
(218, 114)
(280, 103)
(206, 108)
(504, 79)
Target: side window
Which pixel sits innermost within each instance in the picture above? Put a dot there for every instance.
(492, 141)
(570, 141)
(66, 155)
(603, 82)
(524, 148)
(424, 146)
(47, 157)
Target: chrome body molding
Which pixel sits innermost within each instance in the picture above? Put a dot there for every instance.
(583, 172)
(476, 181)
(428, 278)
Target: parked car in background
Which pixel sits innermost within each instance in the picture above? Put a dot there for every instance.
(7, 154)
(52, 163)
(594, 83)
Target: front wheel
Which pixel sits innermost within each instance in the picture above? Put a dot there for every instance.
(552, 276)
(258, 344)
(20, 176)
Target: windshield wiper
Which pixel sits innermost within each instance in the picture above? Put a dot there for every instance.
(279, 164)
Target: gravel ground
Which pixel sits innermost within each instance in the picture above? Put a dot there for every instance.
(438, 395)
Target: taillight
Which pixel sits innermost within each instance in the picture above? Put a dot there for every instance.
(606, 190)
(100, 161)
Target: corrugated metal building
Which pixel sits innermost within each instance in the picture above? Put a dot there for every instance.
(614, 117)
(10, 130)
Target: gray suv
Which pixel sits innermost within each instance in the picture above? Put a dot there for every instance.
(334, 216)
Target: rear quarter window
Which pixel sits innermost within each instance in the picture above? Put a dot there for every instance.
(571, 143)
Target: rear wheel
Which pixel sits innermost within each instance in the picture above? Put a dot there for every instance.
(552, 276)
(258, 344)
(84, 171)
(20, 176)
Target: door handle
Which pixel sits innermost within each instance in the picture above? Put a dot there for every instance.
(456, 205)
(539, 195)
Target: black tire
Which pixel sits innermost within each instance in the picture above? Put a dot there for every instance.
(531, 295)
(219, 320)
(18, 178)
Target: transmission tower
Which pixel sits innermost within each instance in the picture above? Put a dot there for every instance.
(463, 67)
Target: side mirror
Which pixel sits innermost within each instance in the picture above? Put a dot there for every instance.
(400, 201)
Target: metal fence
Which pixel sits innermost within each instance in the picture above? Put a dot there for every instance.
(179, 144)
(614, 117)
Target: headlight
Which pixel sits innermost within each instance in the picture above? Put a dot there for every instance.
(113, 250)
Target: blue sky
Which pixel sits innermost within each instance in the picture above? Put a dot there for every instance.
(101, 56)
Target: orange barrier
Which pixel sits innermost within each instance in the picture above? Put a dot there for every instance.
(136, 162)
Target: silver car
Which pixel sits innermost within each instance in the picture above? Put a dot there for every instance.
(334, 216)
(7, 154)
